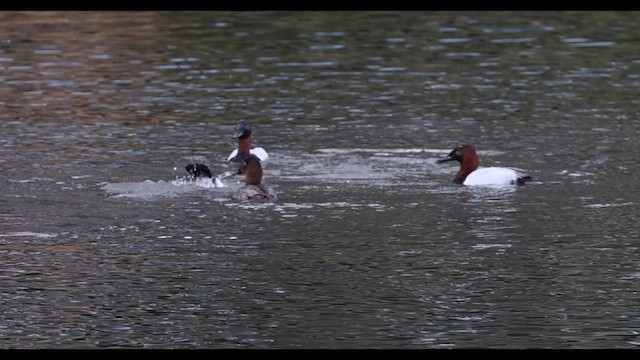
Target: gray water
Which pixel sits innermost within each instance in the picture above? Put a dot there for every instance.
(104, 243)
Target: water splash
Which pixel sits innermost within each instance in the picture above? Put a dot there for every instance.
(150, 189)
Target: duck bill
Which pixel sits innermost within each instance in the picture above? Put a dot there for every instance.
(242, 131)
(447, 159)
(238, 134)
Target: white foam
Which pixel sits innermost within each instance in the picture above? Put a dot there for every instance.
(489, 246)
(390, 151)
(598, 206)
(28, 234)
(200, 182)
(443, 152)
(148, 189)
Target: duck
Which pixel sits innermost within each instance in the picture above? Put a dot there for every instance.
(470, 175)
(253, 189)
(243, 134)
(202, 176)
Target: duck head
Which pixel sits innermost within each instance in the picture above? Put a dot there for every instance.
(467, 157)
(252, 170)
(242, 130)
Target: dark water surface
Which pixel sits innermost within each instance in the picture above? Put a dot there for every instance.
(370, 245)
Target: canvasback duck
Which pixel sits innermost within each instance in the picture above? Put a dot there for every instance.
(202, 175)
(470, 175)
(253, 189)
(243, 134)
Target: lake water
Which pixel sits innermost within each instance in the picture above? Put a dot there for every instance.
(104, 242)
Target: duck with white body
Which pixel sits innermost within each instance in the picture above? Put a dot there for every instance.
(470, 174)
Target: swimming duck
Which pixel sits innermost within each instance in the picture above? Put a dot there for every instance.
(470, 175)
(202, 175)
(243, 134)
(254, 189)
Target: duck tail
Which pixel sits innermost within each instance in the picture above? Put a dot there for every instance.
(524, 179)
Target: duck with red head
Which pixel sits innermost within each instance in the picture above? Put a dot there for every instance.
(244, 135)
(470, 175)
(253, 189)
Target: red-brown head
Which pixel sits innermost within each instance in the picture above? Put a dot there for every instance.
(252, 170)
(467, 157)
